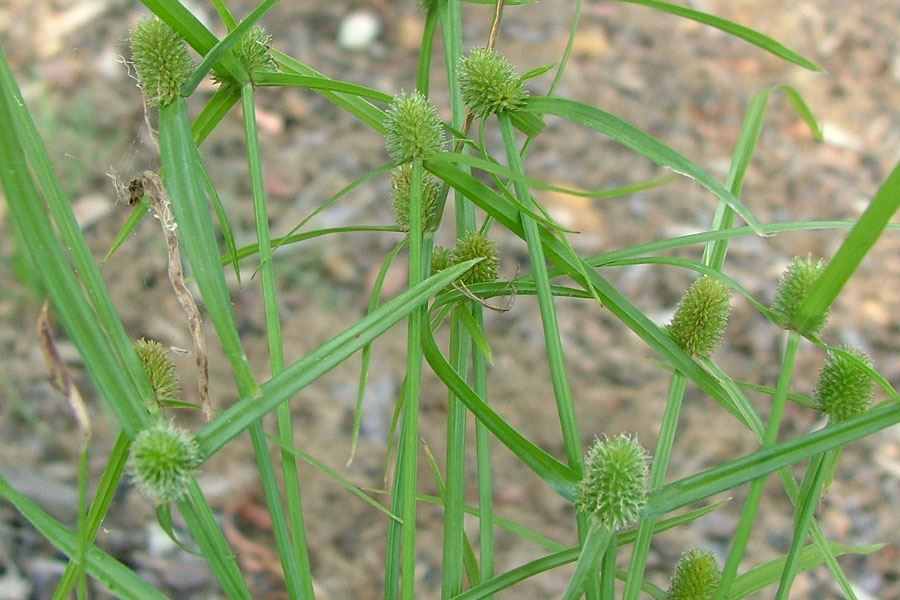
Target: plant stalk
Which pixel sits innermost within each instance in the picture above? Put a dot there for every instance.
(284, 419)
(770, 437)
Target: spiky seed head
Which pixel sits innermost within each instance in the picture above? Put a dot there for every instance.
(845, 389)
(414, 128)
(793, 288)
(697, 576)
(440, 259)
(161, 60)
(614, 486)
(401, 180)
(160, 369)
(490, 83)
(476, 245)
(163, 459)
(701, 317)
(253, 50)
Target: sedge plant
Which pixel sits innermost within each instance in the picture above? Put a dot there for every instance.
(621, 496)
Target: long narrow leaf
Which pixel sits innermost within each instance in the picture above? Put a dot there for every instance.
(557, 475)
(119, 579)
(304, 371)
(851, 253)
(745, 33)
(758, 464)
(644, 144)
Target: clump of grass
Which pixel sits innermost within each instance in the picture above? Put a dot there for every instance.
(610, 486)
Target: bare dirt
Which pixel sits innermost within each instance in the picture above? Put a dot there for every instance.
(684, 83)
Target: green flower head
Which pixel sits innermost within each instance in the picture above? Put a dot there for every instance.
(401, 180)
(161, 60)
(253, 50)
(845, 389)
(414, 128)
(490, 84)
(476, 245)
(701, 317)
(162, 461)
(160, 369)
(793, 288)
(441, 259)
(696, 576)
(614, 487)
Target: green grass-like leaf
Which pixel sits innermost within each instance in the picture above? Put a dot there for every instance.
(730, 27)
(116, 577)
(642, 143)
(847, 259)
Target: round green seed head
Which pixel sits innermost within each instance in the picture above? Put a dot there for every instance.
(696, 576)
(162, 461)
(614, 487)
(401, 180)
(701, 317)
(845, 389)
(440, 259)
(161, 60)
(160, 369)
(476, 245)
(490, 84)
(793, 288)
(253, 50)
(414, 128)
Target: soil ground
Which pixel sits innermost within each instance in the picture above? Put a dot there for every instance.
(687, 84)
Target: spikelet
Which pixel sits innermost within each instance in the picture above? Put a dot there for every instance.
(793, 288)
(701, 317)
(697, 576)
(476, 245)
(161, 60)
(414, 129)
(160, 369)
(490, 84)
(162, 461)
(614, 487)
(844, 389)
(401, 181)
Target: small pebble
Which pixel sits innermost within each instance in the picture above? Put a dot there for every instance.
(358, 30)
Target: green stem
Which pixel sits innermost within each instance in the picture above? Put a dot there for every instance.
(816, 475)
(423, 72)
(661, 458)
(770, 437)
(181, 163)
(109, 481)
(452, 560)
(608, 573)
(596, 541)
(405, 500)
(555, 356)
(450, 14)
(84, 475)
(285, 421)
(485, 469)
